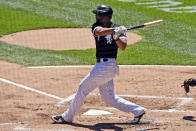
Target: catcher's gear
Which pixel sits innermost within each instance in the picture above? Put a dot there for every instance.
(188, 83)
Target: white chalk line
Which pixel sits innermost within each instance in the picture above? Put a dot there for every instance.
(62, 102)
(173, 110)
(76, 66)
(184, 101)
(88, 66)
(158, 97)
(3, 124)
(157, 110)
(59, 104)
(22, 128)
(30, 89)
(68, 99)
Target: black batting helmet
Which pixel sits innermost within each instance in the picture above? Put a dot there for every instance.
(103, 10)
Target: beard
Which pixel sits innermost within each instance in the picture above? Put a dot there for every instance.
(103, 20)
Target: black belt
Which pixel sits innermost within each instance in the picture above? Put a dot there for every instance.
(104, 60)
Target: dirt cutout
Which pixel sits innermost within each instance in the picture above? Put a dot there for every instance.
(58, 39)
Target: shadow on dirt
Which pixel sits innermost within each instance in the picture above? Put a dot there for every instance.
(111, 126)
(189, 118)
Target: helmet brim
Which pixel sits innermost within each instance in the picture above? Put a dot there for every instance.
(101, 12)
(94, 11)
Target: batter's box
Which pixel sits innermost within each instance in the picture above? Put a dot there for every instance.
(153, 103)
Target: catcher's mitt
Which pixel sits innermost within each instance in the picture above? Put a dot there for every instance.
(187, 83)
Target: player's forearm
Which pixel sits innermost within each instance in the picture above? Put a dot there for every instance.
(121, 43)
(103, 31)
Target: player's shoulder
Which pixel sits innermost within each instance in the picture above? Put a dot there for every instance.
(115, 25)
(96, 24)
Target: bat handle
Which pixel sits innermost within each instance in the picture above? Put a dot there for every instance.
(135, 27)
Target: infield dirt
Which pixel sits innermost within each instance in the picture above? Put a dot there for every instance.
(32, 110)
(58, 39)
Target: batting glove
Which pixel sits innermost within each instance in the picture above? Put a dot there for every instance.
(118, 31)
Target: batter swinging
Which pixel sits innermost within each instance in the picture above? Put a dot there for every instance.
(109, 37)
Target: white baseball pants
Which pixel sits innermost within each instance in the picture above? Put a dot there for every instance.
(101, 77)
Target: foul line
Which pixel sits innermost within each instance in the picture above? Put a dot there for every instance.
(79, 66)
(2, 124)
(59, 104)
(173, 110)
(159, 97)
(156, 110)
(22, 128)
(184, 101)
(30, 89)
(62, 102)
(87, 66)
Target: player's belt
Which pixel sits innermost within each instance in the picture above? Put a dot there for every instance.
(103, 60)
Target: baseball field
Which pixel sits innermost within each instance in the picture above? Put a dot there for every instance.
(46, 48)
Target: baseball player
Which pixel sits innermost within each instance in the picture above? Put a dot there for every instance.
(108, 37)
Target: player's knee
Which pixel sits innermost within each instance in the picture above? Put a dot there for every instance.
(83, 90)
(109, 99)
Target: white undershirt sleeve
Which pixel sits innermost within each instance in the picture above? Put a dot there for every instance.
(95, 29)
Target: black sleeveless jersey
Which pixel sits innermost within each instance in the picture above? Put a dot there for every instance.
(106, 46)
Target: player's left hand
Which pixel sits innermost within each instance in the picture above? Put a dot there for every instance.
(118, 31)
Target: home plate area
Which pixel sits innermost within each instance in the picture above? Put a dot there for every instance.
(162, 112)
(31, 97)
(152, 103)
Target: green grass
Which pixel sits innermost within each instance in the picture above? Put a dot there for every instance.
(32, 57)
(172, 43)
(14, 20)
(146, 54)
(140, 53)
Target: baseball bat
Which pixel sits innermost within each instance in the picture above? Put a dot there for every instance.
(148, 24)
